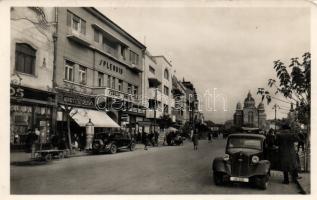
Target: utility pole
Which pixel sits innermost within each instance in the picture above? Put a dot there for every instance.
(155, 105)
(275, 107)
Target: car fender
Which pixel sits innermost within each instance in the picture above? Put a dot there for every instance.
(263, 167)
(219, 165)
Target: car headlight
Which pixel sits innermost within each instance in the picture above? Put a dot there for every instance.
(226, 157)
(255, 159)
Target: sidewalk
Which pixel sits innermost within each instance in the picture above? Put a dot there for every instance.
(22, 157)
(304, 183)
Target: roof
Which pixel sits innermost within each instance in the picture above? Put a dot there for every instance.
(99, 14)
(161, 56)
(247, 135)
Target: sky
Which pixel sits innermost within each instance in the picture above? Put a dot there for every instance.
(226, 51)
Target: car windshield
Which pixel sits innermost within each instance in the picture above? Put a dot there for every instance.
(250, 143)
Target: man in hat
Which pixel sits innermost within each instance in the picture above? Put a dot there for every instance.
(285, 141)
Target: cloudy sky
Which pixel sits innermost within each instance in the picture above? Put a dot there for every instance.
(230, 49)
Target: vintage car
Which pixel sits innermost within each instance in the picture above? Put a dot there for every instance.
(244, 161)
(112, 142)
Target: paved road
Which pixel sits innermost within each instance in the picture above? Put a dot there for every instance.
(164, 170)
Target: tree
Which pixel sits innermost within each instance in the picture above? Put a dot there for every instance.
(165, 121)
(294, 83)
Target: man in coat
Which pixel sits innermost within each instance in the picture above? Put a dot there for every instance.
(287, 154)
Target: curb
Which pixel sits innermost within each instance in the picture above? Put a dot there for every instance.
(302, 190)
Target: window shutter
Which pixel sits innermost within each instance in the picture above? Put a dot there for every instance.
(69, 18)
(83, 27)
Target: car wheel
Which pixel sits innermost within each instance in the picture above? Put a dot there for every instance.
(61, 155)
(113, 149)
(218, 178)
(48, 157)
(263, 182)
(132, 146)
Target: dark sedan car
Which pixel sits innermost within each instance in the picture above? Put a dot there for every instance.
(244, 161)
(112, 142)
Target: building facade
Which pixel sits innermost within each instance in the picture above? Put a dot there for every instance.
(32, 99)
(98, 67)
(250, 115)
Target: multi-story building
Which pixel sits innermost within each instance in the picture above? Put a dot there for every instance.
(191, 102)
(157, 87)
(32, 57)
(97, 63)
(179, 94)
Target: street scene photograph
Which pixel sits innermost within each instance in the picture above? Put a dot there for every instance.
(160, 99)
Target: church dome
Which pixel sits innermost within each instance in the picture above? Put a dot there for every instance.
(239, 107)
(249, 101)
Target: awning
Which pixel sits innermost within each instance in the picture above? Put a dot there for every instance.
(98, 118)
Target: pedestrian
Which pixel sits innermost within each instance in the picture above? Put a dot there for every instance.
(209, 137)
(156, 136)
(301, 141)
(195, 141)
(287, 155)
(145, 140)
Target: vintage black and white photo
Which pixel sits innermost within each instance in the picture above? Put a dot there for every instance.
(160, 98)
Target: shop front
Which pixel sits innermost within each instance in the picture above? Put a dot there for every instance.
(81, 110)
(30, 110)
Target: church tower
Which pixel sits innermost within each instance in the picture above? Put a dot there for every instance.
(238, 115)
(262, 116)
(250, 113)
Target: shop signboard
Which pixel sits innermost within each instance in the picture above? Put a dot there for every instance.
(75, 99)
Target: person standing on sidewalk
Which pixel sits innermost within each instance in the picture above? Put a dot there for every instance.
(195, 141)
(285, 141)
(145, 140)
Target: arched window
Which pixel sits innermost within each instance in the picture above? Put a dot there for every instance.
(166, 74)
(25, 56)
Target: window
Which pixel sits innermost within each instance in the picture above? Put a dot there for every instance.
(120, 85)
(69, 70)
(166, 91)
(108, 46)
(113, 84)
(100, 79)
(134, 58)
(76, 23)
(165, 109)
(96, 36)
(166, 74)
(25, 58)
(82, 75)
(135, 90)
(123, 52)
(129, 88)
(109, 81)
(152, 70)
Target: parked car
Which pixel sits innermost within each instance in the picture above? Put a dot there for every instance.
(244, 161)
(112, 142)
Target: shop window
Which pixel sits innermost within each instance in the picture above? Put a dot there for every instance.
(25, 57)
(120, 85)
(69, 70)
(166, 90)
(134, 58)
(166, 74)
(82, 75)
(76, 23)
(100, 79)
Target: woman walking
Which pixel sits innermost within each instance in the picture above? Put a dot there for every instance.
(195, 141)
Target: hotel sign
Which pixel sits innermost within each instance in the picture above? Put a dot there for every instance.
(119, 95)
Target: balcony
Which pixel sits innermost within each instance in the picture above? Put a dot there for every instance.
(151, 94)
(150, 114)
(77, 37)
